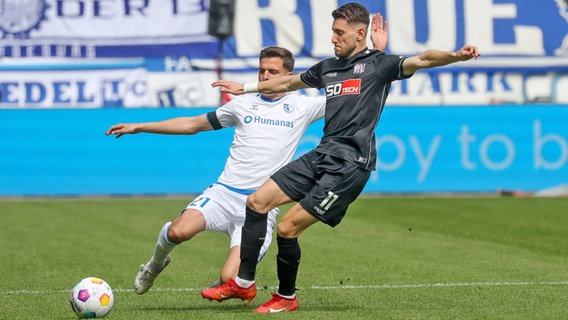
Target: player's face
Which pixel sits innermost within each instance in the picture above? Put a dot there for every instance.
(271, 68)
(344, 38)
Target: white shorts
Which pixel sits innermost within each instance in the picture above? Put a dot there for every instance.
(224, 211)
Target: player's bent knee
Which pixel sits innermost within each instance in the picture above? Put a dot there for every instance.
(179, 232)
(175, 235)
(254, 204)
(186, 226)
(287, 230)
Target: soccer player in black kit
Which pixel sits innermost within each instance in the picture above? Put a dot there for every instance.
(327, 179)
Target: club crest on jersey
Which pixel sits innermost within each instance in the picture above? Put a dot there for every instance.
(288, 108)
(336, 89)
(359, 68)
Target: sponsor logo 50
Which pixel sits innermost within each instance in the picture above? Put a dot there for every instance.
(335, 89)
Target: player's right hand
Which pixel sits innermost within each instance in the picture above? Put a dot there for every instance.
(229, 87)
(121, 129)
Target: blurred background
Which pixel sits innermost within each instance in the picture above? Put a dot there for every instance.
(69, 69)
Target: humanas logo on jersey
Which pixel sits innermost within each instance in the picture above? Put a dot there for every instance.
(336, 89)
(269, 122)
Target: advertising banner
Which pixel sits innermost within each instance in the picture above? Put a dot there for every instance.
(519, 28)
(159, 28)
(471, 149)
(68, 88)
(104, 28)
(524, 45)
(420, 149)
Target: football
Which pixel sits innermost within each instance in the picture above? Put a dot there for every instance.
(91, 298)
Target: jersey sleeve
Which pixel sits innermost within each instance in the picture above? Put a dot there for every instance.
(390, 67)
(214, 120)
(223, 117)
(312, 76)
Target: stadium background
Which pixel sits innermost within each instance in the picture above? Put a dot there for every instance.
(72, 68)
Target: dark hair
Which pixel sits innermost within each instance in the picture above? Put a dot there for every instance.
(353, 12)
(279, 52)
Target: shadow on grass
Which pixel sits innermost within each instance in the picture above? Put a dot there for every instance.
(212, 308)
(238, 308)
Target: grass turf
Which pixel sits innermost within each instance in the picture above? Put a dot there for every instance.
(391, 258)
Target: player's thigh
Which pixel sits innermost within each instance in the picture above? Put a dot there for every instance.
(267, 197)
(186, 226)
(295, 221)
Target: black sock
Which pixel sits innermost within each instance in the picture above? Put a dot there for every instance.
(288, 261)
(254, 233)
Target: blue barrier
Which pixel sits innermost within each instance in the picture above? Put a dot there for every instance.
(471, 149)
(65, 152)
(421, 149)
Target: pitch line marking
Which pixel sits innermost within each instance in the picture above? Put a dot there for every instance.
(315, 287)
(433, 285)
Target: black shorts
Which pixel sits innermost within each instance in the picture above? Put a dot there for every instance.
(324, 185)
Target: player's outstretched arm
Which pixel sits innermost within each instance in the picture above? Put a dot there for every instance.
(436, 58)
(274, 85)
(181, 125)
(229, 86)
(379, 32)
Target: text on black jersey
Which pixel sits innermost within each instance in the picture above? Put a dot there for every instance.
(335, 89)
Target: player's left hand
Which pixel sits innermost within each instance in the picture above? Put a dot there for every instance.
(379, 32)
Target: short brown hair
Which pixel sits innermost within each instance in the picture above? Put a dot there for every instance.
(287, 57)
(353, 12)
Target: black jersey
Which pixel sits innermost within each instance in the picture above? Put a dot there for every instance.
(356, 90)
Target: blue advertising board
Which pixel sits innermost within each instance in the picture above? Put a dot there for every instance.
(159, 28)
(471, 149)
(100, 29)
(157, 53)
(421, 149)
(518, 28)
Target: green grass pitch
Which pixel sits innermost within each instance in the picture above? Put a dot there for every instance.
(390, 258)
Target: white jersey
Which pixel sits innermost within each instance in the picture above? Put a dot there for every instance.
(267, 133)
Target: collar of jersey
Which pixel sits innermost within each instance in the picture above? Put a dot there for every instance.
(359, 54)
(268, 99)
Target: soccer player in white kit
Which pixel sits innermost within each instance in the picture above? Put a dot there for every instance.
(268, 129)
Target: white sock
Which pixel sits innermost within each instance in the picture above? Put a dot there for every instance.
(287, 297)
(163, 248)
(244, 283)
